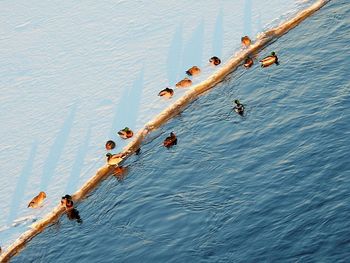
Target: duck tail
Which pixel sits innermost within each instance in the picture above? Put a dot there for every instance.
(188, 73)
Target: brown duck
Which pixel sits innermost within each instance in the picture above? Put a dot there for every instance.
(38, 200)
(215, 61)
(246, 41)
(248, 62)
(166, 93)
(125, 133)
(170, 140)
(110, 145)
(186, 82)
(194, 71)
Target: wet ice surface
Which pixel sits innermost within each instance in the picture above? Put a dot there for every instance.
(73, 73)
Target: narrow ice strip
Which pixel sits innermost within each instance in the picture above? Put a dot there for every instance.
(262, 41)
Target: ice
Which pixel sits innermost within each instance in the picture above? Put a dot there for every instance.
(73, 73)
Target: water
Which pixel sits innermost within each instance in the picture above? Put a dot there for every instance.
(272, 186)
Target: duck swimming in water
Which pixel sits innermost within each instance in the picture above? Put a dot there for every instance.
(125, 133)
(67, 202)
(110, 145)
(170, 140)
(166, 93)
(215, 61)
(246, 41)
(38, 200)
(248, 62)
(269, 60)
(239, 108)
(194, 71)
(186, 82)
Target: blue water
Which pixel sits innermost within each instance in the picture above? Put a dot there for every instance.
(272, 186)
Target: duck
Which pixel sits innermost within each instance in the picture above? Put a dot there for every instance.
(38, 200)
(269, 60)
(67, 202)
(166, 93)
(239, 108)
(170, 140)
(246, 41)
(194, 71)
(110, 145)
(113, 159)
(215, 61)
(186, 82)
(125, 133)
(248, 62)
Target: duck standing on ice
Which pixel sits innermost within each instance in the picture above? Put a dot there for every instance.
(194, 71)
(246, 41)
(110, 145)
(269, 60)
(166, 93)
(215, 61)
(186, 82)
(125, 133)
(38, 200)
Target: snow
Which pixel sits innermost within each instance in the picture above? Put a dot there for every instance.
(73, 73)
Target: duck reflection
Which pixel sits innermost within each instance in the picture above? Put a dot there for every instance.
(72, 213)
(120, 172)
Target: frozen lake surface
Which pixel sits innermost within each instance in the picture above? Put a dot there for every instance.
(73, 74)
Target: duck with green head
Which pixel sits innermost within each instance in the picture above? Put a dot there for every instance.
(269, 60)
(125, 133)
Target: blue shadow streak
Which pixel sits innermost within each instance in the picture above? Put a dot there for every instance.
(174, 60)
(218, 35)
(78, 164)
(247, 29)
(193, 51)
(22, 183)
(127, 109)
(56, 150)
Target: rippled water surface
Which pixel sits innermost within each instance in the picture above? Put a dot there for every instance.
(272, 186)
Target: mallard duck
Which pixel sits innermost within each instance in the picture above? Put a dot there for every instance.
(269, 60)
(186, 82)
(246, 41)
(67, 202)
(125, 133)
(170, 140)
(215, 61)
(38, 200)
(248, 62)
(110, 145)
(194, 71)
(239, 108)
(113, 159)
(166, 93)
